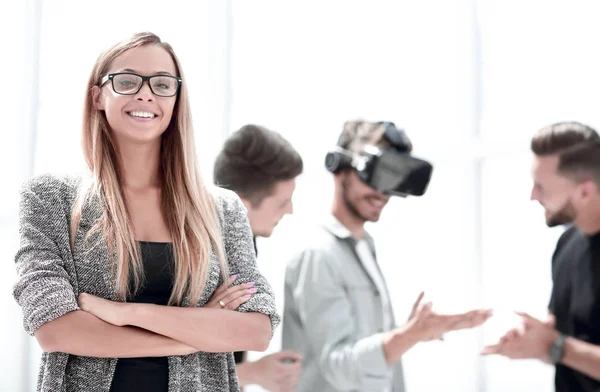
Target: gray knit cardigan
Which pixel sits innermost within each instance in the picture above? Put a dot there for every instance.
(51, 276)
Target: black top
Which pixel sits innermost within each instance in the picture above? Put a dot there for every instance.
(150, 374)
(575, 300)
(240, 356)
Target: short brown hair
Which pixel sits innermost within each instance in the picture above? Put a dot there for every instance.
(253, 160)
(561, 136)
(581, 162)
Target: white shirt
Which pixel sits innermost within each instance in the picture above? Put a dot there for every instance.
(368, 261)
(363, 250)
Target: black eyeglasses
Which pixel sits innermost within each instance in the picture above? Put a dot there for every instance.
(127, 83)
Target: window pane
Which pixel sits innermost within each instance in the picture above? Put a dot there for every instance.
(305, 71)
(541, 69)
(13, 339)
(15, 101)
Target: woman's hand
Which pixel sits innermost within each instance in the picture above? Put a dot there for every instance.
(118, 313)
(112, 312)
(231, 297)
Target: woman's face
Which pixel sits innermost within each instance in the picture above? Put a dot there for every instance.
(141, 116)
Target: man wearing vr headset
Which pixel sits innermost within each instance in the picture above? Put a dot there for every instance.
(337, 310)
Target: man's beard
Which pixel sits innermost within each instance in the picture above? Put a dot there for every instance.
(348, 203)
(564, 216)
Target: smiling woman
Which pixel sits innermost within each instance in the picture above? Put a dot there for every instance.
(115, 266)
(139, 108)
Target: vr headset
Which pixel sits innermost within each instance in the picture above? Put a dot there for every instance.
(390, 170)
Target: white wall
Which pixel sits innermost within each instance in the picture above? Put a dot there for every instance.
(469, 80)
(17, 104)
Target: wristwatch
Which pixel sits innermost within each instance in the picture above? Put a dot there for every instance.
(557, 350)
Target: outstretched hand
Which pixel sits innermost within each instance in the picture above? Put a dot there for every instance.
(433, 324)
(530, 341)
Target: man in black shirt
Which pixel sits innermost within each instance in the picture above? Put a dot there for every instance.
(261, 167)
(566, 174)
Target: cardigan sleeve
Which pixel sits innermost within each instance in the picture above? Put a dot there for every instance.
(43, 289)
(241, 257)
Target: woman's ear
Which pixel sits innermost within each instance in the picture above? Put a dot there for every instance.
(97, 98)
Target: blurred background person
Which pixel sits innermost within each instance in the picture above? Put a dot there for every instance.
(261, 167)
(338, 312)
(566, 182)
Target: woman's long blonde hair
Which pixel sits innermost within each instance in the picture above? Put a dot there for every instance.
(187, 205)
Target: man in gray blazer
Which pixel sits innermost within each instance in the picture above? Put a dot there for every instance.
(337, 310)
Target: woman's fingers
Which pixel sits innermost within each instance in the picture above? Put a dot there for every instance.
(233, 305)
(222, 288)
(239, 292)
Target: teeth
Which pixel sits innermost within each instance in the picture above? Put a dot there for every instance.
(142, 114)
